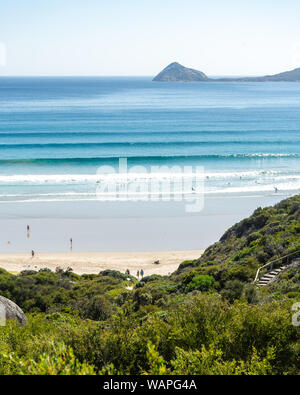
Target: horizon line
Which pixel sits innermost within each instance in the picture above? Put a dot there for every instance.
(111, 76)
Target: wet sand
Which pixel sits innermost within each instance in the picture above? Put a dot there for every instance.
(120, 226)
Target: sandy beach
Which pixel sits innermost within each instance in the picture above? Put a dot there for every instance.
(94, 262)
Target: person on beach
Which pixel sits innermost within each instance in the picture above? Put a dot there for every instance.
(138, 274)
(142, 273)
(28, 231)
(71, 244)
(32, 254)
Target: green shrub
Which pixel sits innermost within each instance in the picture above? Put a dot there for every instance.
(232, 290)
(200, 283)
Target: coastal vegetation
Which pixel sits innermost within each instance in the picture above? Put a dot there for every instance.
(206, 318)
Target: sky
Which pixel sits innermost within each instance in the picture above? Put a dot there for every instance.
(140, 37)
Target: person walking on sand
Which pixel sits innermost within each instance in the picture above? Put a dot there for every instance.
(142, 273)
(32, 254)
(138, 274)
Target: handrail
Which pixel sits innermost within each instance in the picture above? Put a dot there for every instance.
(271, 262)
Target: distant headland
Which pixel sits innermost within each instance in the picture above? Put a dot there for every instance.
(175, 72)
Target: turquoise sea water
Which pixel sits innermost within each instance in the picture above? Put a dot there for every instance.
(55, 133)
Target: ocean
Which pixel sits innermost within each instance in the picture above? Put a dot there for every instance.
(230, 146)
(55, 134)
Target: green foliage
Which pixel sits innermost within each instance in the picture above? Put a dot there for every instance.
(93, 296)
(157, 365)
(232, 290)
(251, 293)
(61, 361)
(197, 334)
(200, 283)
(210, 362)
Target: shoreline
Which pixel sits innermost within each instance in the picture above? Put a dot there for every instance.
(121, 227)
(95, 262)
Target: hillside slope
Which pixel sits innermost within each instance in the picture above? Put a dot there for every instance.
(287, 76)
(267, 234)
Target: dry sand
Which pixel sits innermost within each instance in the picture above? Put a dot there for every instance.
(94, 262)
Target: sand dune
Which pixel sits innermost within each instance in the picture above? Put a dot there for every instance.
(94, 262)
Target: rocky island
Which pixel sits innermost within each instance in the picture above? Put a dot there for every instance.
(175, 72)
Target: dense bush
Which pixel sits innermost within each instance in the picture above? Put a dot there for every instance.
(199, 334)
(200, 283)
(92, 296)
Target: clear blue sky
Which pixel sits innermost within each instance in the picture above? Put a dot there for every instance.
(140, 37)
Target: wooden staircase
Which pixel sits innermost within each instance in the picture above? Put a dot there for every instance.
(268, 278)
(272, 275)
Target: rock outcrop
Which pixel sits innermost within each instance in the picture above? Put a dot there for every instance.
(12, 311)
